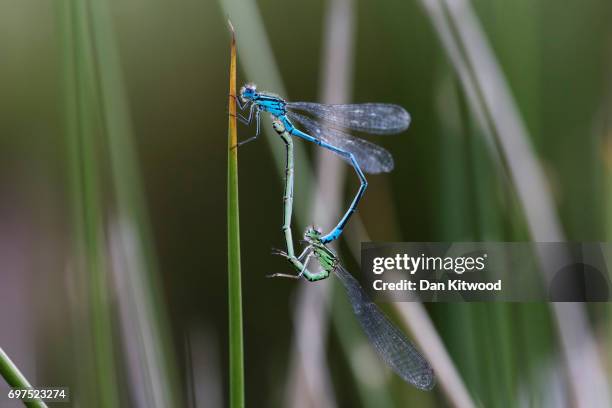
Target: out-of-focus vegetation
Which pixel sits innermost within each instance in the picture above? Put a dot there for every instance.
(113, 249)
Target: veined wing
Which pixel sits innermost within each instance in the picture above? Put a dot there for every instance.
(390, 343)
(376, 118)
(371, 158)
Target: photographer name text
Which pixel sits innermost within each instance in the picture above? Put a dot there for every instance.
(427, 285)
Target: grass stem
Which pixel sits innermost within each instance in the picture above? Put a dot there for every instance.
(233, 246)
(15, 378)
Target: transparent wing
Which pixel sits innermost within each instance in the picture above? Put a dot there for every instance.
(390, 343)
(371, 158)
(376, 118)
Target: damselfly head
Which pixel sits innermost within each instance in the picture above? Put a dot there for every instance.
(248, 92)
(313, 234)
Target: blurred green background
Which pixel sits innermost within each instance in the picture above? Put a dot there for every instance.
(113, 183)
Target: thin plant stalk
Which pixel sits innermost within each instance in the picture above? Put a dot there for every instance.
(16, 379)
(236, 358)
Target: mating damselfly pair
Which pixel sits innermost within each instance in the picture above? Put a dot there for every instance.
(388, 341)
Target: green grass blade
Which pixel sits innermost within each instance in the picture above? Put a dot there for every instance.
(233, 248)
(147, 316)
(15, 378)
(83, 131)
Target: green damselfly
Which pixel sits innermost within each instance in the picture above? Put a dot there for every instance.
(388, 341)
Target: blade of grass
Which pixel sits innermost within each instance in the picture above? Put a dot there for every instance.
(83, 131)
(233, 245)
(15, 378)
(72, 125)
(147, 322)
